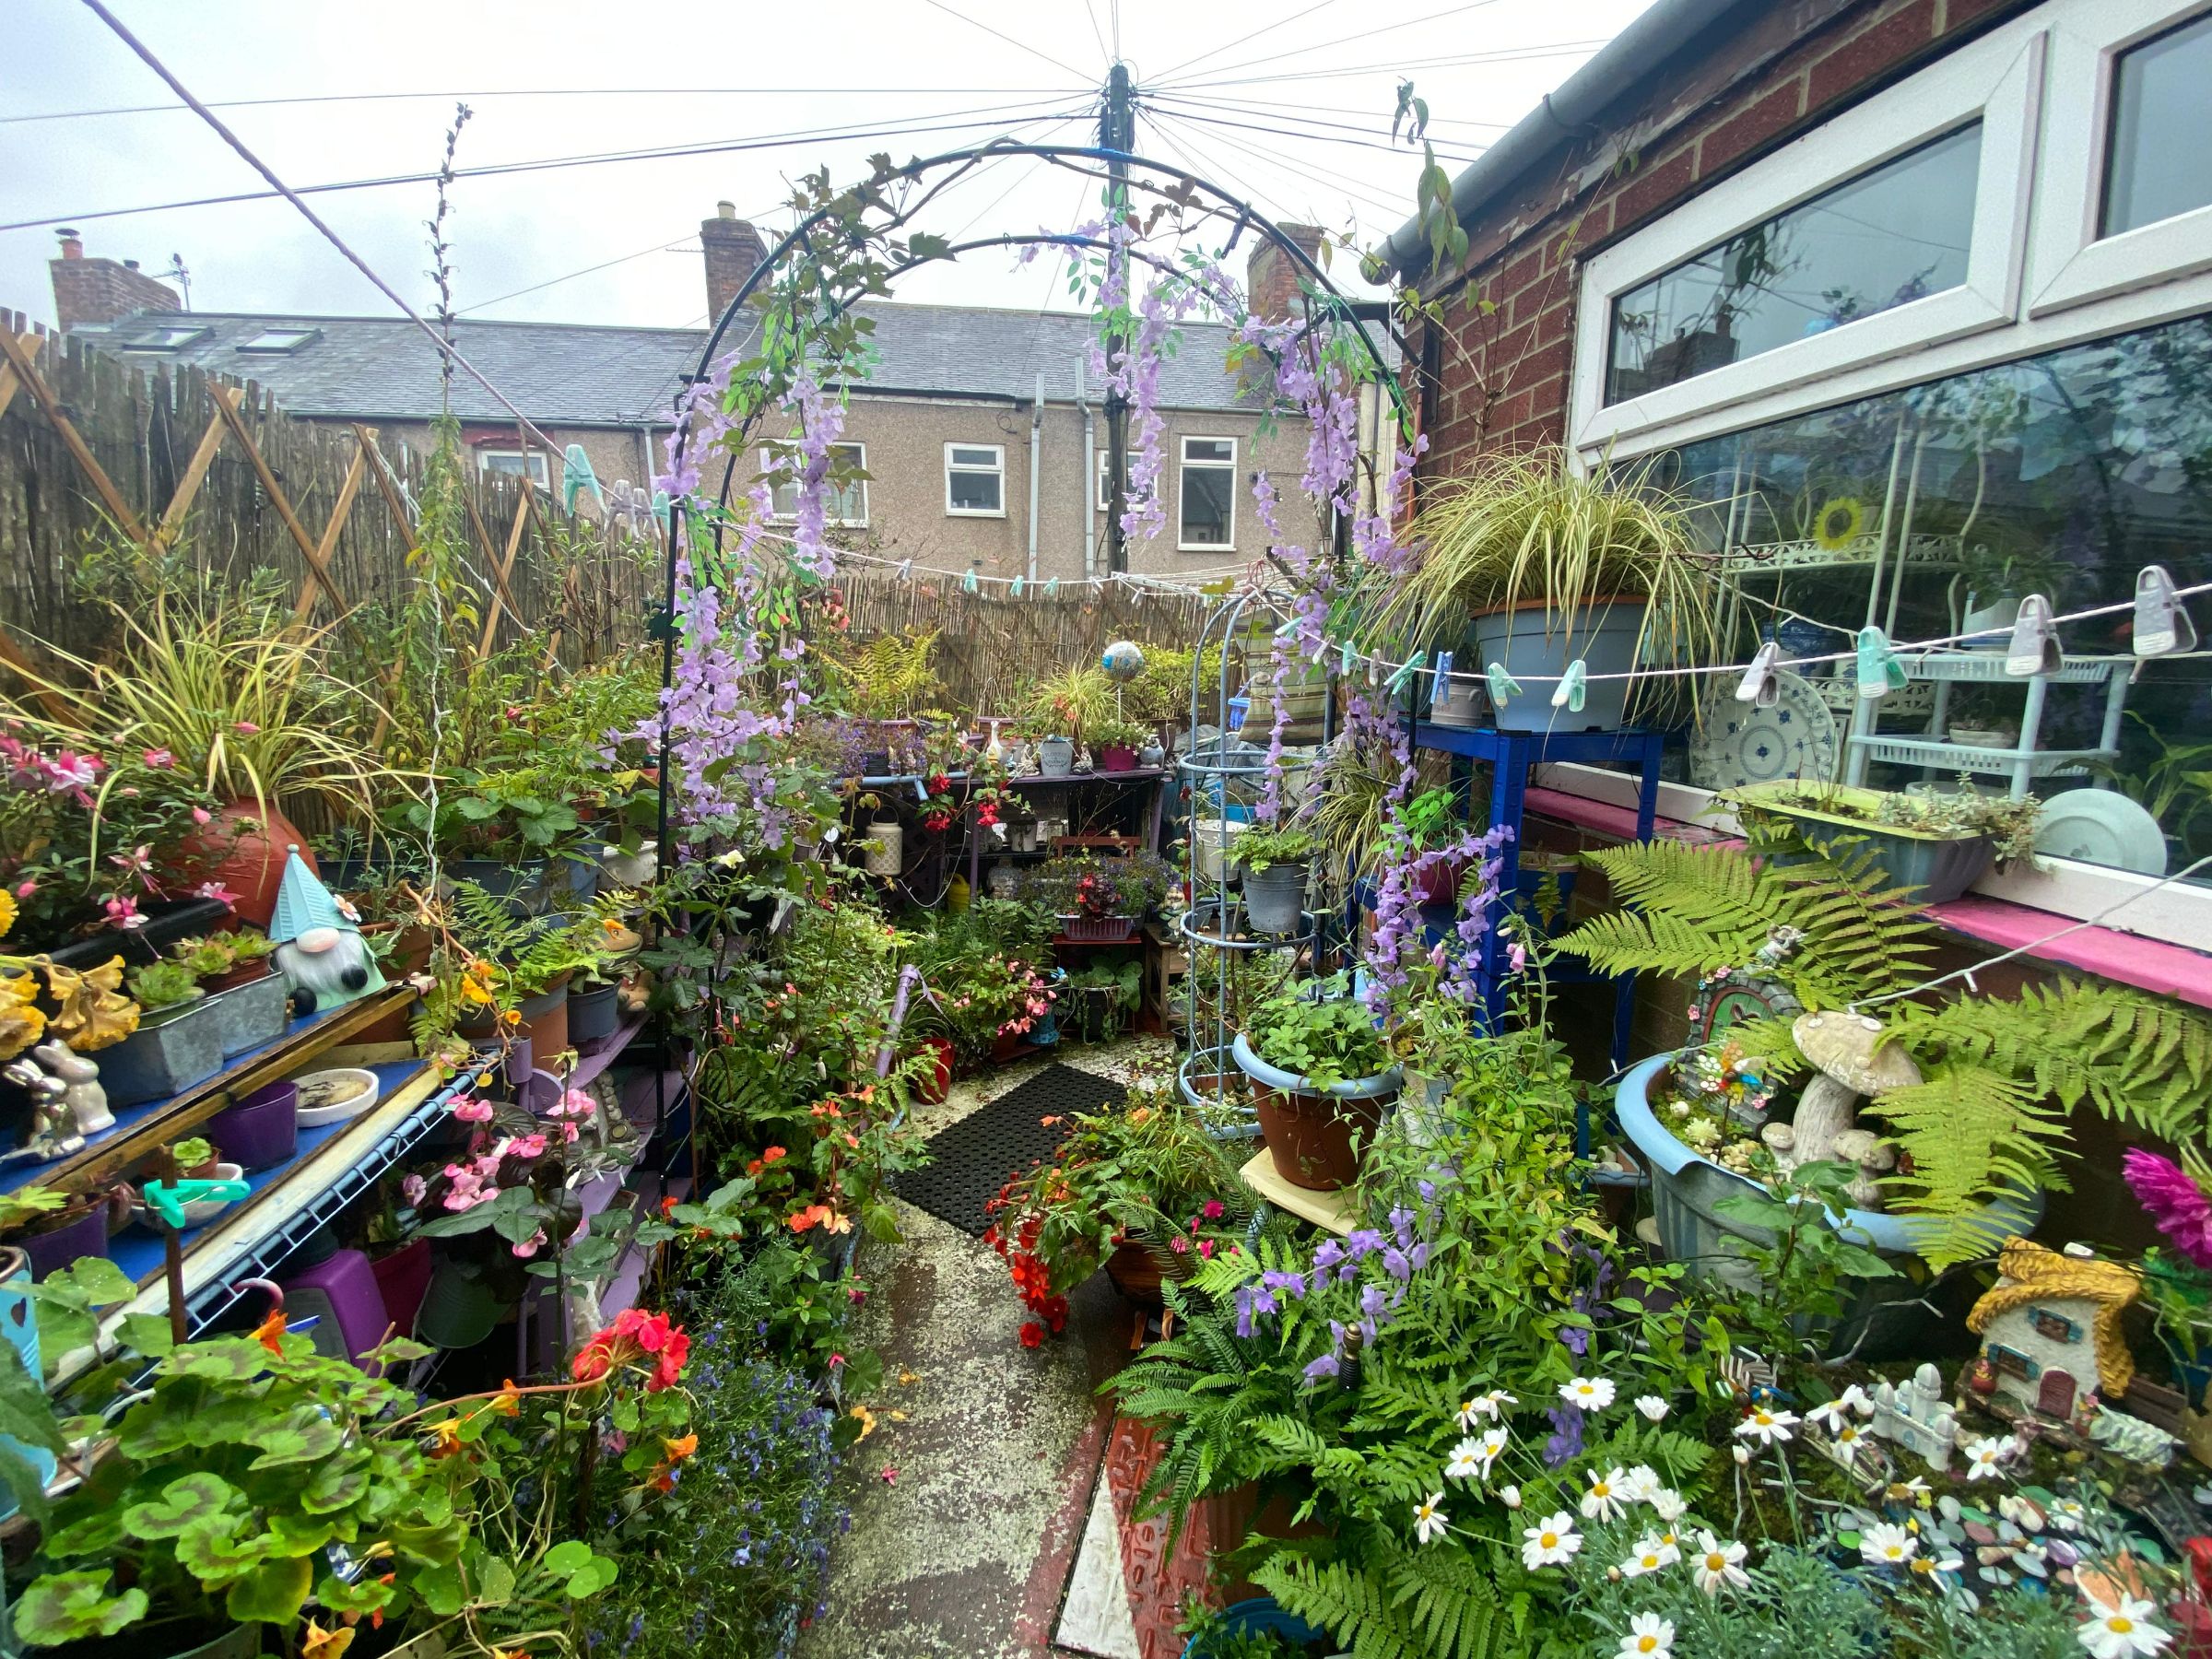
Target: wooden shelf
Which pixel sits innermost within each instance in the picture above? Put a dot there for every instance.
(1331, 1210)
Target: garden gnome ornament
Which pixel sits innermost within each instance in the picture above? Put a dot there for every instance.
(320, 951)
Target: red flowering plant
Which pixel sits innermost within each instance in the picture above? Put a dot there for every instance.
(1143, 1174)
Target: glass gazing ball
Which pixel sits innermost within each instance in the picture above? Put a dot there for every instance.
(1122, 661)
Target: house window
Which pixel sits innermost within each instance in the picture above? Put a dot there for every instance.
(2056, 1327)
(1105, 480)
(975, 481)
(1897, 233)
(170, 337)
(844, 490)
(2012, 1362)
(2156, 165)
(278, 340)
(1208, 519)
(514, 462)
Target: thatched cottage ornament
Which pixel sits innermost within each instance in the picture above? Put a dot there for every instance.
(2050, 1329)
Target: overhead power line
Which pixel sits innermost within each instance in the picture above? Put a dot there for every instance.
(1245, 40)
(1365, 34)
(1400, 65)
(494, 169)
(1010, 40)
(1268, 106)
(1289, 131)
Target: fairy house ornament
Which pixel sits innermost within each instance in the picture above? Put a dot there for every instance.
(2050, 1330)
(320, 951)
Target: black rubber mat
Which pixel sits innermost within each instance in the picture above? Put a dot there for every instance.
(972, 1159)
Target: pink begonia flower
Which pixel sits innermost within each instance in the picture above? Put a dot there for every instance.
(247, 727)
(412, 1188)
(530, 1246)
(1205, 1248)
(201, 816)
(2173, 1200)
(567, 1134)
(123, 911)
(1180, 1245)
(159, 759)
(470, 1110)
(528, 1146)
(217, 891)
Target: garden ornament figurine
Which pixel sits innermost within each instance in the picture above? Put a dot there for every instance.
(320, 951)
(86, 1101)
(1916, 1415)
(54, 1132)
(1848, 1052)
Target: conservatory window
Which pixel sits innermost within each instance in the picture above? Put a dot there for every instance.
(1892, 235)
(844, 501)
(2156, 165)
(1208, 519)
(975, 481)
(514, 463)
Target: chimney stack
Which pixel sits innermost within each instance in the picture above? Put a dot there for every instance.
(734, 252)
(100, 291)
(1272, 277)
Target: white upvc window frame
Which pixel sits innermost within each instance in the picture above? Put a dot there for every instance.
(775, 487)
(2072, 264)
(1995, 81)
(1184, 467)
(534, 460)
(998, 466)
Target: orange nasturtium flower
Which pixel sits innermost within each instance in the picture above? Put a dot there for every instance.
(508, 1402)
(269, 1332)
(319, 1643)
(447, 1436)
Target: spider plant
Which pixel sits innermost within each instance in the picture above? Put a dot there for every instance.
(1527, 530)
(250, 711)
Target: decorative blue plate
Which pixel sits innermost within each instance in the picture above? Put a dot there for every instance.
(1736, 743)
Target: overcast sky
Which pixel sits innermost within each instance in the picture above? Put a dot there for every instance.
(1287, 101)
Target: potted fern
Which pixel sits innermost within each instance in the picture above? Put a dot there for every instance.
(1530, 565)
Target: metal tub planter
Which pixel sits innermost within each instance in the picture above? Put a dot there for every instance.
(1889, 1318)
(164, 1056)
(250, 1016)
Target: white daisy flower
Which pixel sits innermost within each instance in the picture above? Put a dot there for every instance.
(1488, 1444)
(1719, 1566)
(1604, 1498)
(1467, 1461)
(1830, 1417)
(1742, 1454)
(1667, 1504)
(2067, 1515)
(1886, 1545)
(1651, 1553)
(1767, 1426)
(1550, 1543)
(1652, 1407)
(1857, 1399)
(1638, 1485)
(2122, 1631)
(1648, 1637)
(1587, 1393)
(1483, 1406)
(1917, 1490)
(1509, 1496)
(1846, 1442)
(1429, 1522)
(1982, 1456)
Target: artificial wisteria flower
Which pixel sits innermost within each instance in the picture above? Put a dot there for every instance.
(1604, 1498)
(1549, 1543)
(1982, 1457)
(1767, 1427)
(2122, 1631)
(1587, 1393)
(2174, 1200)
(1885, 1545)
(1648, 1637)
(1429, 1522)
(1653, 1407)
(1651, 1553)
(1719, 1566)
(1488, 1405)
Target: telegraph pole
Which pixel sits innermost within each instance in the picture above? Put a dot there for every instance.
(1117, 135)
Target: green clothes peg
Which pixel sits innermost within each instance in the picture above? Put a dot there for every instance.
(1572, 686)
(1016, 590)
(1052, 588)
(1503, 686)
(1880, 672)
(969, 584)
(576, 476)
(168, 1198)
(1407, 670)
(1345, 659)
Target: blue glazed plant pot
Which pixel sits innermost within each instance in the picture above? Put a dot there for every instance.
(1258, 1617)
(1532, 645)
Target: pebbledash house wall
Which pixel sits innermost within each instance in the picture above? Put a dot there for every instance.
(1726, 96)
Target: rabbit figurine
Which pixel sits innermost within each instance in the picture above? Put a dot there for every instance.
(86, 1101)
(51, 1134)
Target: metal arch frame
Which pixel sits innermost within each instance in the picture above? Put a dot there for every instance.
(798, 237)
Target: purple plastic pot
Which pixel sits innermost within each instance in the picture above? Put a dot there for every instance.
(51, 1251)
(261, 1129)
(349, 1280)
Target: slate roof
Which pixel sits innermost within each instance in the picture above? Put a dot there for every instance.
(578, 374)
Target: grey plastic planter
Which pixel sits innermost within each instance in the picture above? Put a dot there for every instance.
(161, 1060)
(1941, 867)
(1274, 898)
(252, 1015)
(1056, 757)
(1532, 646)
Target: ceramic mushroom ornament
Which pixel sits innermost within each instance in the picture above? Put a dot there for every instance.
(1848, 1054)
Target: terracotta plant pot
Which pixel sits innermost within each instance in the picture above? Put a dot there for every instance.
(1138, 1274)
(1308, 1128)
(249, 842)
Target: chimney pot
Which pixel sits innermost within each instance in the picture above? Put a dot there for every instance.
(73, 246)
(130, 264)
(725, 210)
(1272, 277)
(101, 290)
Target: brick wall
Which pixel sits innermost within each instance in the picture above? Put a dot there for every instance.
(100, 290)
(1730, 95)
(1272, 276)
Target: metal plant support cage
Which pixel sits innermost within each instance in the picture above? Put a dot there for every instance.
(1207, 1068)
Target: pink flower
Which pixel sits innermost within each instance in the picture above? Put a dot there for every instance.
(24, 889)
(1516, 956)
(139, 858)
(836, 1361)
(1180, 1245)
(201, 816)
(528, 1146)
(411, 1188)
(70, 771)
(123, 911)
(159, 759)
(529, 1246)
(217, 891)
(246, 727)
(567, 1134)
(470, 1110)
(1211, 1209)
(2173, 1200)
(1205, 1248)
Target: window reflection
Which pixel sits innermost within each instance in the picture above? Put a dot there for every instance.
(1890, 235)
(2061, 475)
(2159, 163)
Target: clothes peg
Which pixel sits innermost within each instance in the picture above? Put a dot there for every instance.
(1503, 686)
(1407, 670)
(1288, 627)
(969, 584)
(1014, 592)
(906, 570)
(1573, 687)
(576, 476)
(2162, 626)
(1374, 672)
(1052, 588)
(1880, 671)
(2034, 648)
(1440, 689)
(1762, 684)
(1345, 659)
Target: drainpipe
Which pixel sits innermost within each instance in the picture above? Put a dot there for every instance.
(1036, 465)
(1091, 467)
